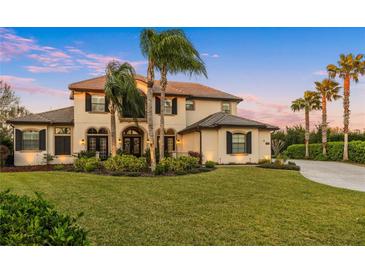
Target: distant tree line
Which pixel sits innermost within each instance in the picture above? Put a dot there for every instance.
(296, 135)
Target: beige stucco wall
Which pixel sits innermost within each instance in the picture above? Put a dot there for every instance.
(215, 147)
(204, 108)
(190, 142)
(37, 157)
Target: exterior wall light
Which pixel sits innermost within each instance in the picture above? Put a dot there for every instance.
(178, 141)
(82, 141)
(119, 141)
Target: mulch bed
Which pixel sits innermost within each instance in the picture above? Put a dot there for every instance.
(32, 168)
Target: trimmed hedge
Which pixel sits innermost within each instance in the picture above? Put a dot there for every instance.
(86, 164)
(27, 221)
(334, 151)
(125, 163)
(180, 165)
(278, 166)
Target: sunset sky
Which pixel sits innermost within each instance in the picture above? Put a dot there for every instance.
(267, 67)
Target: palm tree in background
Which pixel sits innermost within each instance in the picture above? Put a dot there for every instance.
(122, 96)
(175, 54)
(310, 101)
(328, 90)
(349, 68)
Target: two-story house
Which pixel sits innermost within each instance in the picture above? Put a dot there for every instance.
(198, 118)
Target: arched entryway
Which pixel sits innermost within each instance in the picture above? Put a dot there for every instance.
(97, 141)
(132, 141)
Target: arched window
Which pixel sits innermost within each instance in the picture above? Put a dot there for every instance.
(103, 130)
(92, 131)
(132, 131)
(170, 140)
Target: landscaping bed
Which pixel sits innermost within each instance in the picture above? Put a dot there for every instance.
(35, 168)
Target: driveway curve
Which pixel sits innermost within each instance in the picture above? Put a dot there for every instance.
(335, 174)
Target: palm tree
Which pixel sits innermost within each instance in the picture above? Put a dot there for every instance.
(310, 101)
(122, 95)
(149, 39)
(328, 89)
(175, 54)
(349, 68)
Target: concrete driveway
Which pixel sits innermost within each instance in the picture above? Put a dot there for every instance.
(333, 173)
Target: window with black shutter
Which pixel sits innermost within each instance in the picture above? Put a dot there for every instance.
(62, 141)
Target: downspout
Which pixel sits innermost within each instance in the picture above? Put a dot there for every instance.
(200, 145)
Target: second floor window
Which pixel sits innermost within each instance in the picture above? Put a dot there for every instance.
(189, 105)
(226, 107)
(97, 103)
(168, 106)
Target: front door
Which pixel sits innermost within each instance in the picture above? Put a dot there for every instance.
(132, 146)
(98, 143)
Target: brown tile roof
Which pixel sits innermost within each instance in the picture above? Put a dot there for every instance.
(173, 88)
(57, 116)
(220, 119)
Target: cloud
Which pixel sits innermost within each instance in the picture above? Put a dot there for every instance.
(13, 45)
(205, 54)
(50, 59)
(30, 85)
(321, 73)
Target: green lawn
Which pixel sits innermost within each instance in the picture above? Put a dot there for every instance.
(229, 206)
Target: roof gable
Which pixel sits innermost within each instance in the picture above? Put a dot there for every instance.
(188, 89)
(221, 119)
(57, 116)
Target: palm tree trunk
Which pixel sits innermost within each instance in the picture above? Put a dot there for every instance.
(306, 137)
(151, 139)
(112, 129)
(163, 84)
(346, 117)
(324, 125)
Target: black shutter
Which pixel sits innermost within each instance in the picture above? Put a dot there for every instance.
(59, 145)
(42, 139)
(106, 104)
(87, 102)
(18, 140)
(157, 105)
(67, 145)
(229, 142)
(174, 106)
(249, 142)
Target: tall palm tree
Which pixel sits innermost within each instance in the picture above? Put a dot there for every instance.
(328, 89)
(310, 101)
(122, 95)
(149, 39)
(175, 54)
(349, 68)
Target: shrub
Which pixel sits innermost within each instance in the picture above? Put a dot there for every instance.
(58, 167)
(125, 163)
(194, 154)
(334, 151)
(26, 221)
(209, 164)
(279, 166)
(86, 164)
(177, 165)
(86, 154)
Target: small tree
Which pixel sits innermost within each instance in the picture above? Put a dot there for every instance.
(309, 102)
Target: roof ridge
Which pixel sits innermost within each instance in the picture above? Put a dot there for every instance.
(53, 110)
(87, 80)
